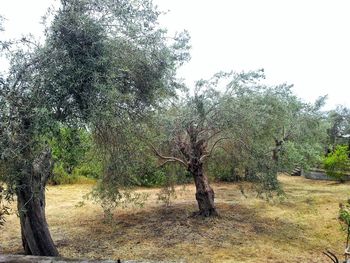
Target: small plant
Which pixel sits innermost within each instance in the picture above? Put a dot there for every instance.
(4, 208)
(168, 192)
(152, 178)
(337, 163)
(344, 217)
(80, 175)
(110, 199)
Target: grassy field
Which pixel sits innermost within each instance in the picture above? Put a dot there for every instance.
(296, 229)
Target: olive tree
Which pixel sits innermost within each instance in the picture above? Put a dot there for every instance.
(265, 130)
(100, 58)
(191, 130)
(339, 128)
(279, 130)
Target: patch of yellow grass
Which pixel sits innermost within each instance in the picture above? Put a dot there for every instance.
(296, 229)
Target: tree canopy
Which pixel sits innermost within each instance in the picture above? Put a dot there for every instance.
(101, 60)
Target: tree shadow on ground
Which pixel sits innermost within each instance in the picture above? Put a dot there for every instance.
(160, 233)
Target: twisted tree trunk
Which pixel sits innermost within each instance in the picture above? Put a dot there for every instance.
(194, 151)
(36, 238)
(204, 193)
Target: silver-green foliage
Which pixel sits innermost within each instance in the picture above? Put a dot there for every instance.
(102, 61)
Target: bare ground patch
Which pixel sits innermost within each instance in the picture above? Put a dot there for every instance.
(296, 229)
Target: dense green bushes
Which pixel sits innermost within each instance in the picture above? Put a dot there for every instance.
(85, 174)
(160, 176)
(74, 155)
(78, 160)
(337, 163)
(221, 167)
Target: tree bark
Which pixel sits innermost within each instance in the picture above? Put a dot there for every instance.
(36, 238)
(204, 193)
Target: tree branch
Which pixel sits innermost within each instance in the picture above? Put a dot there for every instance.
(168, 158)
(215, 133)
(212, 148)
(167, 161)
(182, 148)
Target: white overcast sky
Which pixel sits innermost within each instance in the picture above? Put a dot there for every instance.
(301, 42)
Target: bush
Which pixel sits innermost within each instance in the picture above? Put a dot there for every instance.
(344, 218)
(60, 176)
(337, 163)
(154, 178)
(88, 170)
(344, 214)
(222, 167)
(158, 176)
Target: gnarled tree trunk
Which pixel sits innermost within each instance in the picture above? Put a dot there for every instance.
(194, 151)
(36, 236)
(204, 193)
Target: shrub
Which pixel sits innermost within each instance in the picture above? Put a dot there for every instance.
(152, 178)
(60, 176)
(158, 176)
(344, 218)
(88, 170)
(337, 163)
(222, 167)
(344, 214)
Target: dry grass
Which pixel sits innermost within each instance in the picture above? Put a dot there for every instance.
(297, 229)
